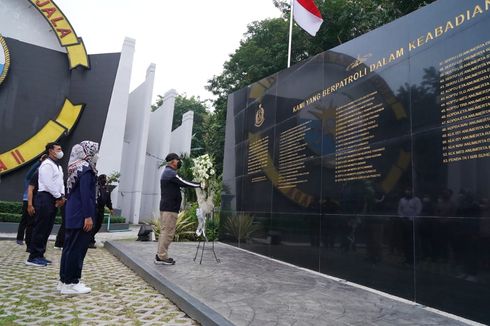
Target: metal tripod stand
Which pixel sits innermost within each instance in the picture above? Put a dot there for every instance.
(202, 249)
(201, 232)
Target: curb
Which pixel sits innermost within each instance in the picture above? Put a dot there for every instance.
(187, 303)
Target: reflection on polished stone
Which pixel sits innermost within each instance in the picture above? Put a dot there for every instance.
(371, 161)
(452, 260)
(376, 251)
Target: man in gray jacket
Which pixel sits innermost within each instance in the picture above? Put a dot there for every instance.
(171, 198)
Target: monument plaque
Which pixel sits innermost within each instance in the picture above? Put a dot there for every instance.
(371, 161)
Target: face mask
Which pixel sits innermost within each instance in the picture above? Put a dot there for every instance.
(59, 155)
(95, 158)
(179, 164)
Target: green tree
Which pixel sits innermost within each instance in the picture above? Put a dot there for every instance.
(262, 52)
(183, 104)
(263, 49)
(347, 19)
(215, 137)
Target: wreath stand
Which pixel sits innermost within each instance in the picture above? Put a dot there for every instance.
(201, 233)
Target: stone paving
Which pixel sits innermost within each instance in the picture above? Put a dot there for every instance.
(28, 294)
(247, 289)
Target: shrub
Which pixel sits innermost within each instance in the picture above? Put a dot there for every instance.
(212, 229)
(15, 207)
(185, 227)
(241, 227)
(15, 218)
(212, 226)
(12, 207)
(113, 178)
(8, 217)
(115, 219)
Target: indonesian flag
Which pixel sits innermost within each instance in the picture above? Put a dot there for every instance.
(307, 15)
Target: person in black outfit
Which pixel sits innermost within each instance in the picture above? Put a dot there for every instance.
(171, 199)
(103, 200)
(60, 236)
(49, 198)
(27, 221)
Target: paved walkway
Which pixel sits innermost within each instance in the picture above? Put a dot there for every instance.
(100, 237)
(28, 294)
(246, 289)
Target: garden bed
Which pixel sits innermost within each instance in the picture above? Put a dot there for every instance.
(10, 227)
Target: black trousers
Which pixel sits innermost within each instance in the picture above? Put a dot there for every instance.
(60, 237)
(97, 225)
(73, 255)
(43, 223)
(25, 225)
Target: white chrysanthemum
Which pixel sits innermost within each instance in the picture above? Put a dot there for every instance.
(203, 168)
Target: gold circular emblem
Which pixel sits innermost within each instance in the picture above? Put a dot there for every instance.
(4, 59)
(69, 113)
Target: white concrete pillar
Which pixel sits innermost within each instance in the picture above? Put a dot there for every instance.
(157, 148)
(134, 153)
(111, 146)
(182, 136)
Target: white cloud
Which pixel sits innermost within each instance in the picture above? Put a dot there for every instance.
(188, 40)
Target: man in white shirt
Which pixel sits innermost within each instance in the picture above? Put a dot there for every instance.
(409, 207)
(50, 196)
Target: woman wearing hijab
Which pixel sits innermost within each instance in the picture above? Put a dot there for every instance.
(79, 216)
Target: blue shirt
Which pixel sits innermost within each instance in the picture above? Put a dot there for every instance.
(81, 200)
(28, 177)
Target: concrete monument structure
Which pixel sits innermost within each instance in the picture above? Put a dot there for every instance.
(54, 91)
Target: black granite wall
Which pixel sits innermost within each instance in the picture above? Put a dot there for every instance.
(371, 161)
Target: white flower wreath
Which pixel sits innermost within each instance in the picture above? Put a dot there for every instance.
(203, 171)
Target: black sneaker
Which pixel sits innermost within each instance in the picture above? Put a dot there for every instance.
(168, 261)
(36, 262)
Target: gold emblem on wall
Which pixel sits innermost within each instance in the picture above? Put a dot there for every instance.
(259, 116)
(359, 61)
(69, 112)
(75, 48)
(4, 59)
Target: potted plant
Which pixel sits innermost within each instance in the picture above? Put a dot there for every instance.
(113, 180)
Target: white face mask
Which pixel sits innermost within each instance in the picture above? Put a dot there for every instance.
(59, 155)
(95, 158)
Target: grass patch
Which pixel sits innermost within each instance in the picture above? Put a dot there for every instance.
(129, 312)
(8, 320)
(38, 305)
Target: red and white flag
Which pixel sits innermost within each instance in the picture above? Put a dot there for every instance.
(307, 15)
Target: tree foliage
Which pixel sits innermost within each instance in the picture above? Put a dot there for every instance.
(263, 52)
(183, 104)
(215, 138)
(263, 49)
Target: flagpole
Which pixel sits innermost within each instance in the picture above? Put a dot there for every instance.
(290, 32)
